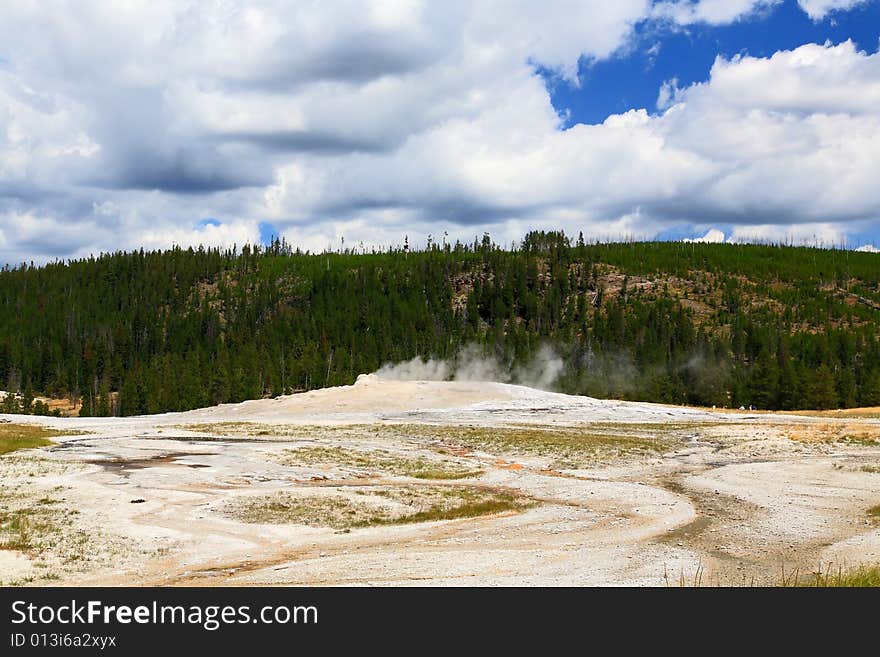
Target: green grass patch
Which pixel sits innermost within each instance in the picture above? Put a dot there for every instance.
(27, 436)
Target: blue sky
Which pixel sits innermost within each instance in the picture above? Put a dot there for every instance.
(224, 123)
(632, 78)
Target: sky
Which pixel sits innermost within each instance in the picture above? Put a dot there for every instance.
(160, 123)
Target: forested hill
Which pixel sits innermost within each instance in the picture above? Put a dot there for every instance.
(131, 333)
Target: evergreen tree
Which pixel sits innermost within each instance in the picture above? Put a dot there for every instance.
(823, 389)
(698, 323)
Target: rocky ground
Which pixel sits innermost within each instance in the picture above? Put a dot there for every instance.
(441, 483)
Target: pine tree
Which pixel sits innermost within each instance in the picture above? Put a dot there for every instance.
(823, 390)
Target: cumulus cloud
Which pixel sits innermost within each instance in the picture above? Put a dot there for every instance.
(720, 12)
(128, 125)
(812, 79)
(714, 12)
(712, 236)
(823, 235)
(788, 139)
(818, 9)
(669, 94)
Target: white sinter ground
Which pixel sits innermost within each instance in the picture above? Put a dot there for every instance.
(613, 492)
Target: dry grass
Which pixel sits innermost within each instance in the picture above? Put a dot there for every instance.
(379, 461)
(866, 413)
(843, 433)
(226, 428)
(568, 446)
(251, 429)
(872, 412)
(377, 506)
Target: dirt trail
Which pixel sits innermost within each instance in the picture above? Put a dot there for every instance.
(618, 493)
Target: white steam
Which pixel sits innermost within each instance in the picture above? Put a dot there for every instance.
(415, 370)
(542, 371)
(471, 364)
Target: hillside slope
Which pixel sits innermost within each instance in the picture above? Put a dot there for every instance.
(709, 324)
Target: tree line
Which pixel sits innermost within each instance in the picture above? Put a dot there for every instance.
(777, 327)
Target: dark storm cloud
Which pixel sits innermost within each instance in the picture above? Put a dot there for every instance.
(467, 212)
(52, 245)
(24, 192)
(349, 62)
(179, 179)
(186, 171)
(359, 62)
(304, 141)
(61, 200)
(704, 211)
(454, 210)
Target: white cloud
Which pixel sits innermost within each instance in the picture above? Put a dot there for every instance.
(792, 137)
(812, 79)
(868, 248)
(818, 9)
(128, 125)
(669, 95)
(712, 236)
(825, 235)
(727, 151)
(226, 234)
(714, 12)
(720, 12)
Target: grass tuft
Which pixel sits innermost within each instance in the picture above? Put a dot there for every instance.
(860, 577)
(15, 528)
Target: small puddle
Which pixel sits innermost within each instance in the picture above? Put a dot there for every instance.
(123, 467)
(219, 439)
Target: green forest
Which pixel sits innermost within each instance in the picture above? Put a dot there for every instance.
(777, 327)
